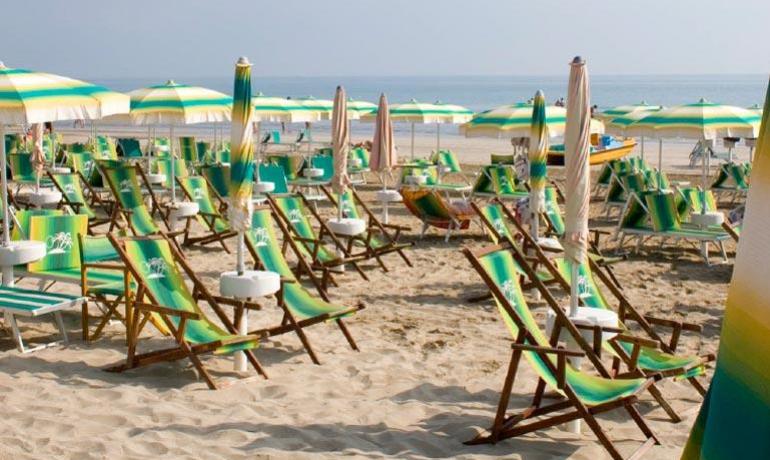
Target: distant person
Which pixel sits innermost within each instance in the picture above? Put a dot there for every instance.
(594, 109)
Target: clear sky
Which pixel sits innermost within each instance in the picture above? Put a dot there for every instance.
(143, 38)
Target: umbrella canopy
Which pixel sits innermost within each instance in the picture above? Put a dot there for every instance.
(577, 144)
(756, 108)
(701, 120)
(279, 109)
(356, 109)
(515, 120)
(177, 104)
(384, 155)
(316, 109)
(538, 152)
(28, 97)
(453, 113)
(340, 144)
(241, 149)
(622, 110)
(620, 125)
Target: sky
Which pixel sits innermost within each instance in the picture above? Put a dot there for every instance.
(144, 38)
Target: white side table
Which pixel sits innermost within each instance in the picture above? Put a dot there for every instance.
(264, 187)
(251, 284)
(18, 253)
(416, 180)
(181, 210)
(586, 316)
(41, 198)
(312, 172)
(347, 228)
(386, 197)
(61, 170)
(708, 219)
(156, 179)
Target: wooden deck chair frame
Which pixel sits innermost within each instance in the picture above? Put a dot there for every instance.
(213, 236)
(373, 228)
(455, 223)
(505, 426)
(139, 312)
(94, 201)
(325, 231)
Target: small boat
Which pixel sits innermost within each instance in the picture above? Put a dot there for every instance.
(603, 149)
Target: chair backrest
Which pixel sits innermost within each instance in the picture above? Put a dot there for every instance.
(447, 159)
(553, 211)
(188, 149)
(265, 243)
(738, 173)
(290, 164)
(502, 159)
(60, 235)
(197, 189)
(222, 156)
(636, 215)
(21, 166)
(587, 289)
(325, 163)
(693, 200)
(97, 248)
(430, 171)
(293, 207)
(124, 183)
(13, 143)
(500, 180)
(426, 205)
(496, 223)
(362, 155)
(662, 211)
(71, 187)
(164, 167)
(130, 148)
(219, 178)
(204, 152)
(22, 217)
(106, 149)
(269, 172)
(349, 206)
(276, 136)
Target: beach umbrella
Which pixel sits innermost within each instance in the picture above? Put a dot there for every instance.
(621, 124)
(340, 146)
(37, 158)
(173, 104)
(538, 153)
(241, 157)
(384, 155)
(700, 121)
(28, 97)
(756, 108)
(357, 109)
(451, 113)
(622, 110)
(315, 110)
(514, 120)
(412, 112)
(577, 145)
(279, 109)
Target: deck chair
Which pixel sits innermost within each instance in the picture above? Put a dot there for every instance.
(218, 229)
(291, 164)
(357, 172)
(205, 156)
(188, 150)
(80, 198)
(300, 308)
(310, 186)
(159, 271)
(502, 159)
(83, 163)
(296, 212)
(379, 239)
(22, 173)
(218, 178)
(130, 148)
(732, 178)
(621, 185)
(163, 166)
(498, 181)
(432, 178)
(434, 211)
(448, 164)
(275, 174)
(585, 395)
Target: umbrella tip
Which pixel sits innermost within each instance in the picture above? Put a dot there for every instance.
(540, 93)
(577, 60)
(243, 60)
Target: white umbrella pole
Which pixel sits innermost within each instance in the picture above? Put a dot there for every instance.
(438, 137)
(704, 179)
(412, 140)
(240, 264)
(171, 154)
(258, 153)
(4, 180)
(642, 148)
(574, 289)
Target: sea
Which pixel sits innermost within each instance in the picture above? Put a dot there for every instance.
(480, 93)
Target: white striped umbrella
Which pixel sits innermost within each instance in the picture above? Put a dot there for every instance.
(514, 120)
(619, 125)
(452, 113)
(622, 110)
(279, 109)
(315, 110)
(357, 109)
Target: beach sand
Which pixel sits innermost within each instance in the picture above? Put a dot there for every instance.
(428, 375)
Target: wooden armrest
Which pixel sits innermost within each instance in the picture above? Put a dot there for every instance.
(287, 280)
(614, 330)
(555, 351)
(165, 311)
(306, 240)
(403, 228)
(673, 324)
(636, 340)
(599, 231)
(104, 266)
(237, 303)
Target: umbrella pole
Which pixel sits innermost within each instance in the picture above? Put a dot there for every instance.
(258, 153)
(412, 140)
(660, 161)
(240, 264)
(171, 155)
(438, 137)
(4, 179)
(642, 148)
(574, 288)
(704, 179)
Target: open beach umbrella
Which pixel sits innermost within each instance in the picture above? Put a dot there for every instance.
(357, 109)
(173, 104)
(315, 110)
(622, 110)
(241, 157)
(538, 153)
(412, 112)
(577, 144)
(620, 125)
(340, 146)
(755, 107)
(279, 109)
(28, 97)
(384, 155)
(453, 114)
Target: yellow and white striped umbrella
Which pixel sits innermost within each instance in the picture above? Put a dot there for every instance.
(316, 109)
(357, 109)
(515, 120)
(176, 104)
(622, 110)
(279, 109)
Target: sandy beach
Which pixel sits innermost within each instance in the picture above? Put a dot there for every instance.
(427, 377)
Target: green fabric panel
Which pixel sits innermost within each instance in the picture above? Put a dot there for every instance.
(188, 149)
(427, 205)
(291, 164)
(126, 182)
(197, 188)
(495, 215)
(294, 209)
(73, 189)
(204, 151)
(97, 249)
(21, 169)
(553, 211)
(662, 212)
(60, 235)
(448, 159)
(349, 207)
(219, 177)
(326, 163)
(362, 155)
(141, 221)
(23, 217)
(159, 273)
(636, 215)
(275, 174)
(130, 148)
(164, 167)
(501, 159)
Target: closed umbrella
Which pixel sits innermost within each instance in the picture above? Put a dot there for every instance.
(538, 152)
(38, 157)
(384, 155)
(340, 146)
(412, 112)
(577, 144)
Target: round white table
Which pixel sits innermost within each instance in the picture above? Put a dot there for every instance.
(61, 170)
(312, 172)
(264, 187)
(42, 197)
(155, 179)
(18, 253)
(181, 210)
(346, 228)
(385, 197)
(708, 219)
(251, 284)
(416, 180)
(586, 316)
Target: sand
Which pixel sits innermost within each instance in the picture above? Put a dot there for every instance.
(427, 377)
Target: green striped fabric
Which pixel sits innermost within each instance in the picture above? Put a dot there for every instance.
(356, 109)
(60, 235)
(197, 189)
(621, 110)
(125, 186)
(31, 302)
(22, 171)
(693, 200)
(204, 152)
(298, 216)
(315, 109)
(419, 112)
(28, 97)
(362, 156)
(664, 218)
(350, 210)
(499, 180)
(23, 216)
(242, 151)
(513, 120)
(71, 187)
(494, 214)
(701, 120)
(650, 359)
(447, 159)
(732, 176)
(159, 273)
(264, 242)
(106, 148)
(188, 149)
(553, 211)
(636, 216)
(218, 176)
(98, 249)
(163, 166)
(177, 104)
(291, 164)
(274, 173)
(591, 390)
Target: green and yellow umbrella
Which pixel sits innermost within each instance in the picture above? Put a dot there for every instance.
(279, 109)
(538, 153)
(622, 110)
(515, 120)
(357, 109)
(241, 150)
(620, 125)
(316, 109)
(453, 113)
(755, 108)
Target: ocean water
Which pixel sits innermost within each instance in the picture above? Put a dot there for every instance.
(484, 92)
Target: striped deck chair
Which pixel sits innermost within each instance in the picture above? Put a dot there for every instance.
(434, 211)
(291, 164)
(448, 164)
(188, 150)
(83, 163)
(130, 148)
(622, 184)
(22, 173)
(205, 156)
(432, 178)
(105, 148)
(584, 395)
(218, 177)
(693, 200)
(80, 198)
(296, 212)
(163, 166)
(159, 271)
(310, 186)
(13, 143)
(357, 172)
(300, 308)
(498, 181)
(732, 180)
(379, 239)
(275, 174)
(218, 229)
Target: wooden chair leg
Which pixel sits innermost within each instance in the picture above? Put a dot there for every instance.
(255, 363)
(347, 334)
(505, 395)
(655, 392)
